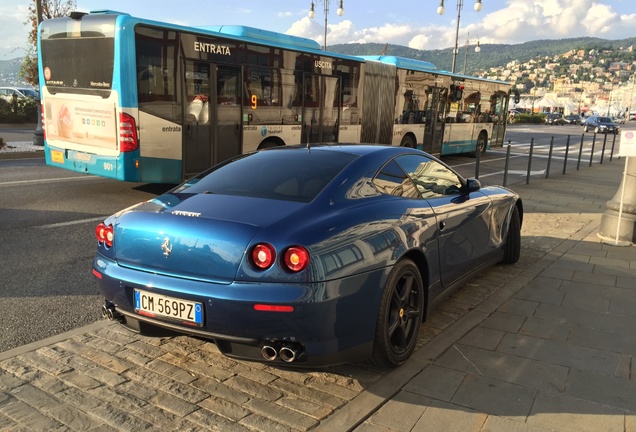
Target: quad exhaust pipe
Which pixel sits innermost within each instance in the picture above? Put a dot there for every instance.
(287, 352)
(109, 312)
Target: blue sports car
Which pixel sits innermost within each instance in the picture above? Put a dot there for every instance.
(305, 256)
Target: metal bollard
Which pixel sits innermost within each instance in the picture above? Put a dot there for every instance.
(592, 152)
(603, 152)
(477, 159)
(530, 160)
(547, 170)
(612, 151)
(505, 178)
(567, 152)
(578, 163)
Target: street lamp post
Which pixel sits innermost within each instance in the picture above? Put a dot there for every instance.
(460, 4)
(477, 49)
(312, 14)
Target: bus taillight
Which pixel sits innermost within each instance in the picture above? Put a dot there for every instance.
(43, 124)
(127, 133)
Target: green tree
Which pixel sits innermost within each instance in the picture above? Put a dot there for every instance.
(50, 9)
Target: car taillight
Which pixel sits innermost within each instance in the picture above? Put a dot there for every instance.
(263, 255)
(105, 234)
(127, 133)
(296, 258)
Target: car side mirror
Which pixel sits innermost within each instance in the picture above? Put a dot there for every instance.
(473, 185)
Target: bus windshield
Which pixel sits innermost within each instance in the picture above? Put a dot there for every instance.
(78, 54)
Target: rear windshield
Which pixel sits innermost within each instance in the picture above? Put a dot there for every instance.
(78, 54)
(291, 175)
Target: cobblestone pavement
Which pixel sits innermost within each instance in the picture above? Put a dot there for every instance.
(105, 378)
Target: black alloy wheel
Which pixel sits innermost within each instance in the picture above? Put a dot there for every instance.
(400, 316)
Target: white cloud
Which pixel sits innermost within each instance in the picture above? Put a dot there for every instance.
(15, 32)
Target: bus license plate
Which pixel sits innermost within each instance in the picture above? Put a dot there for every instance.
(160, 306)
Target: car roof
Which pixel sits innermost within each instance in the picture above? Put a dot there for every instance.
(352, 148)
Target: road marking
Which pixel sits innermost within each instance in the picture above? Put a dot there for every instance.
(75, 222)
(515, 172)
(18, 182)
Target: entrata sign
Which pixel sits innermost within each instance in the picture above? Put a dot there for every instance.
(627, 145)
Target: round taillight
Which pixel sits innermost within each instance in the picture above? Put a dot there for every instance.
(263, 255)
(296, 258)
(104, 234)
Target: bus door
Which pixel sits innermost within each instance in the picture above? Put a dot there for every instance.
(500, 115)
(321, 109)
(212, 115)
(197, 116)
(228, 112)
(434, 128)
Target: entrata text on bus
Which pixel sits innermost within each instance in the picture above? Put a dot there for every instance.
(144, 101)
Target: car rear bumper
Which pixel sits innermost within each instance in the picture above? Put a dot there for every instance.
(331, 322)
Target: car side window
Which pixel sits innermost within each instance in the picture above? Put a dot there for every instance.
(392, 180)
(431, 178)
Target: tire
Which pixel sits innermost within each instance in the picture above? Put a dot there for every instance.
(400, 316)
(408, 141)
(512, 247)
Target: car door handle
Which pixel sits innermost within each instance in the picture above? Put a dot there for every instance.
(442, 225)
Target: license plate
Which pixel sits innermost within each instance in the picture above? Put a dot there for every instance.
(160, 306)
(57, 156)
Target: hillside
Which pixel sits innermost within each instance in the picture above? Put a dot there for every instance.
(490, 56)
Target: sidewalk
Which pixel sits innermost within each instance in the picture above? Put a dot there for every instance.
(546, 344)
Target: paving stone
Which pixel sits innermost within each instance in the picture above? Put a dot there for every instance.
(602, 340)
(167, 421)
(173, 372)
(9, 381)
(602, 389)
(173, 404)
(184, 391)
(331, 388)
(567, 414)
(544, 330)
(483, 337)
(494, 396)
(28, 417)
(197, 367)
(261, 423)
(286, 416)
(214, 422)
(518, 306)
(576, 316)
(306, 407)
(504, 321)
(436, 382)
(253, 388)
(504, 367)
(437, 418)
(225, 408)
(311, 394)
(558, 353)
(401, 413)
(594, 278)
(503, 424)
(74, 418)
(79, 380)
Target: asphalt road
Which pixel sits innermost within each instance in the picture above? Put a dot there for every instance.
(47, 221)
(48, 216)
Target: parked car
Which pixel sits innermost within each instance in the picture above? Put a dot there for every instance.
(600, 124)
(555, 119)
(574, 119)
(618, 119)
(8, 93)
(305, 256)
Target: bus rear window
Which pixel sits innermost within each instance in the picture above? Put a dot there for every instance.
(78, 55)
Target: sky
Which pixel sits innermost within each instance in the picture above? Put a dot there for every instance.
(415, 24)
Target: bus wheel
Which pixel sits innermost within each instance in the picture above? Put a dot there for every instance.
(408, 141)
(268, 144)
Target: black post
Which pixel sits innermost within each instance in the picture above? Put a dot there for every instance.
(477, 158)
(530, 160)
(547, 170)
(505, 179)
(578, 163)
(612, 152)
(603, 152)
(567, 152)
(592, 152)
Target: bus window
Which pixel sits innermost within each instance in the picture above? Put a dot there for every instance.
(156, 80)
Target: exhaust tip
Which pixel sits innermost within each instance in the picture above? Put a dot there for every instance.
(288, 354)
(109, 312)
(269, 352)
